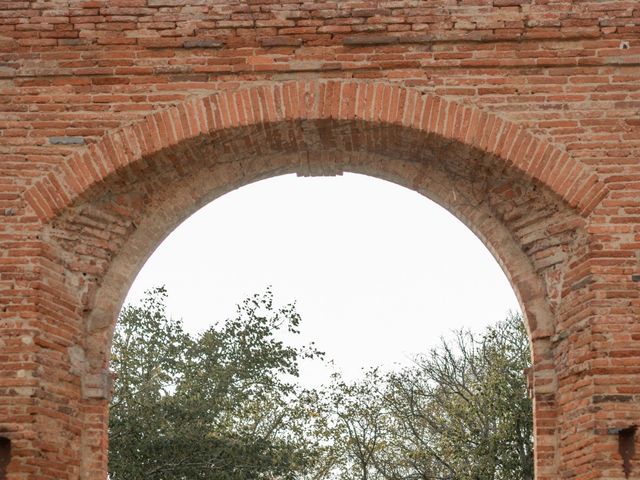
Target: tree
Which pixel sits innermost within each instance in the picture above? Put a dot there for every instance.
(222, 405)
(226, 405)
(460, 412)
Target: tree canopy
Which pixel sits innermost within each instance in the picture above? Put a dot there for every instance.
(221, 405)
(227, 404)
(460, 411)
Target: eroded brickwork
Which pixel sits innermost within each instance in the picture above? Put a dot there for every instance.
(120, 118)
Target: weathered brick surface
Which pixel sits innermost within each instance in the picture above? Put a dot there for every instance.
(119, 118)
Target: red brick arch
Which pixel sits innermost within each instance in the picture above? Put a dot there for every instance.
(378, 102)
(105, 208)
(120, 118)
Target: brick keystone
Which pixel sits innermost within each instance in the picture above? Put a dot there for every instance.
(66, 141)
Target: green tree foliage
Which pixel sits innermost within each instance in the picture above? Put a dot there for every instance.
(226, 405)
(223, 405)
(459, 412)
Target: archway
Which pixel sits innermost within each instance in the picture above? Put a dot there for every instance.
(108, 207)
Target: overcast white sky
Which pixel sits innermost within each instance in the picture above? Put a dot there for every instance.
(378, 271)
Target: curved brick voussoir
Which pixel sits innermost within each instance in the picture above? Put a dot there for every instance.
(378, 103)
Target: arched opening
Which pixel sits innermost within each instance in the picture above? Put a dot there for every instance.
(118, 201)
(378, 272)
(363, 258)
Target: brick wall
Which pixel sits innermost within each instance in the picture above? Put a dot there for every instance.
(119, 118)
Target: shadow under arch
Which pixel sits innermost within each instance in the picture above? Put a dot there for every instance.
(108, 207)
